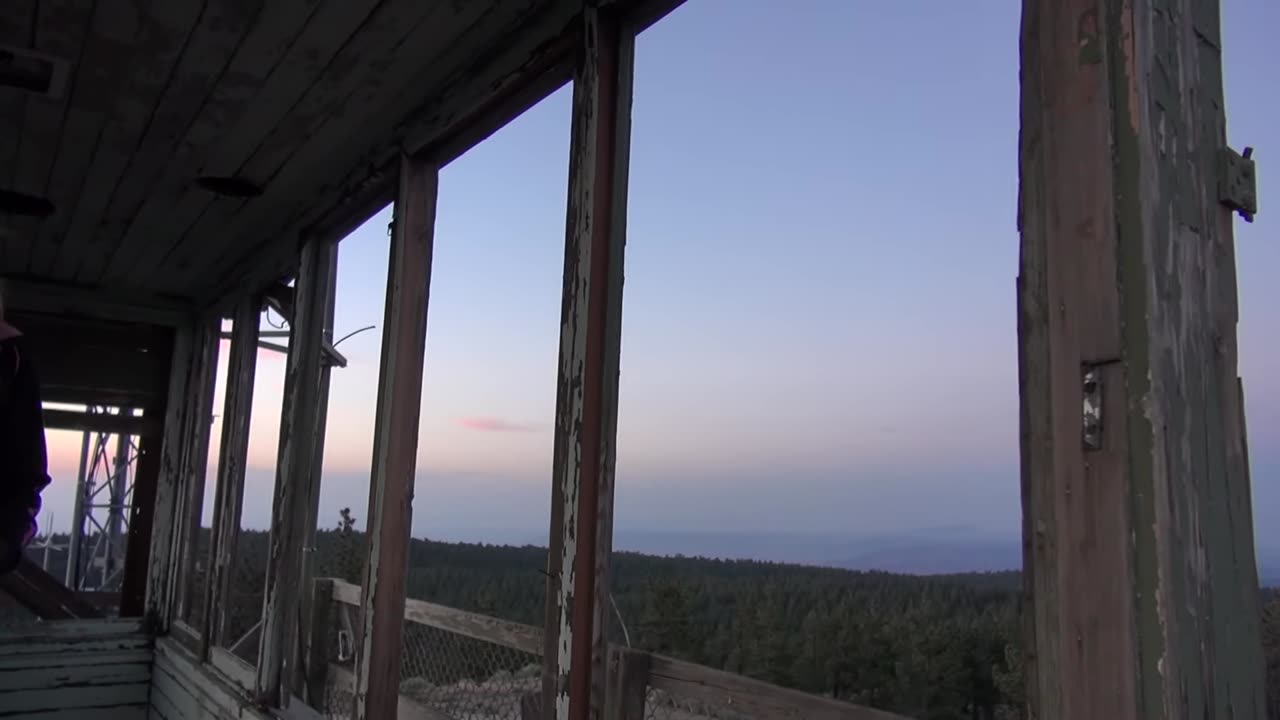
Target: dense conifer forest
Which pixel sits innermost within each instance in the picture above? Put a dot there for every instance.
(933, 648)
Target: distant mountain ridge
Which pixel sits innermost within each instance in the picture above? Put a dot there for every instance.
(926, 551)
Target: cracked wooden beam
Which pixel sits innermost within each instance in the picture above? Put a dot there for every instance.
(587, 388)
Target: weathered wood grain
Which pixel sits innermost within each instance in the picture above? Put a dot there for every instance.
(366, 65)
(75, 668)
(1140, 567)
(311, 523)
(44, 595)
(198, 426)
(96, 675)
(1198, 617)
(164, 29)
(628, 685)
(142, 514)
(751, 698)
(279, 59)
(69, 300)
(185, 689)
(350, 96)
(57, 28)
(1085, 654)
(297, 478)
(339, 202)
(587, 384)
(139, 655)
(516, 636)
(233, 454)
(17, 25)
(530, 61)
(319, 647)
(396, 440)
(105, 53)
(190, 396)
(210, 45)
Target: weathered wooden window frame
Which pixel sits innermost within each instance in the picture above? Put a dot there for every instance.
(395, 439)
(233, 456)
(581, 522)
(183, 457)
(298, 474)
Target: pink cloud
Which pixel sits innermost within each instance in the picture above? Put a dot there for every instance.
(487, 424)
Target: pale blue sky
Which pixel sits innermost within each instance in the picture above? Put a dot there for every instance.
(819, 328)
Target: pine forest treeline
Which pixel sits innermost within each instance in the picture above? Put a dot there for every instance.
(933, 648)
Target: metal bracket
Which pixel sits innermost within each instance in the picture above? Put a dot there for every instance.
(1091, 391)
(1238, 182)
(1091, 387)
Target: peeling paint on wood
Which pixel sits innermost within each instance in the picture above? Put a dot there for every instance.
(395, 438)
(1127, 256)
(233, 453)
(297, 478)
(197, 426)
(71, 669)
(168, 486)
(586, 403)
(184, 689)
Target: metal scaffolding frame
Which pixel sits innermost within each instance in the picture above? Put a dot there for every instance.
(104, 499)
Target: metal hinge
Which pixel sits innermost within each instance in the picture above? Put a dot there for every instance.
(1238, 182)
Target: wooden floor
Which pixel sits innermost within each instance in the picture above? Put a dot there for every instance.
(62, 670)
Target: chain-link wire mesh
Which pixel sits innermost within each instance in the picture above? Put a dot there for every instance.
(466, 678)
(660, 705)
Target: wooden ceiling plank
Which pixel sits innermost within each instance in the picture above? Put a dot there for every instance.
(17, 24)
(210, 47)
(424, 61)
(16, 28)
(104, 65)
(362, 64)
(60, 29)
(522, 52)
(162, 39)
(267, 78)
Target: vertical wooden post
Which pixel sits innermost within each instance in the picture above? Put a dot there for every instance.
(195, 461)
(587, 387)
(628, 684)
(296, 480)
(133, 590)
(317, 468)
(183, 458)
(319, 648)
(233, 453)
(395, 441)
(1139, 557)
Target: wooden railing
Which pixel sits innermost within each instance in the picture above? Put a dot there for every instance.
(635, 677)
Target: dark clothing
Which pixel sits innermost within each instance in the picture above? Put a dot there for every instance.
(24, 471)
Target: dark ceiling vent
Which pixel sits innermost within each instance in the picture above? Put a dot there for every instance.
(16, 203)
(234, 187)
(32, 72)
